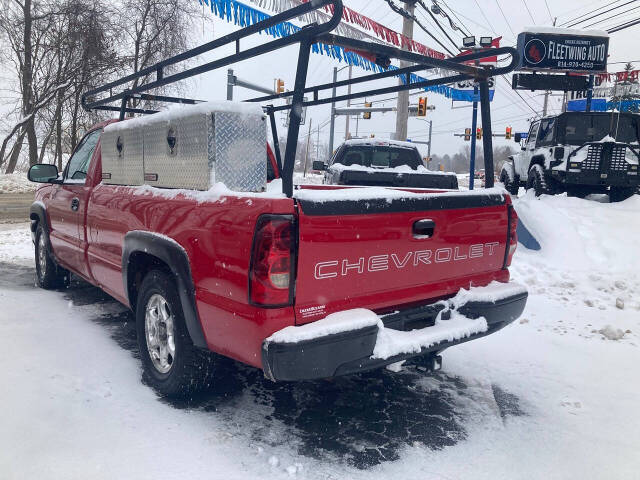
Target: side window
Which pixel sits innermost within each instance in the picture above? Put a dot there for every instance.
(545, 136)
(78, 165)
(533, 133)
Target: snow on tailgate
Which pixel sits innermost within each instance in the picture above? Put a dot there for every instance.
(388, 193)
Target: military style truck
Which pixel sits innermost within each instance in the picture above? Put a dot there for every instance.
(579, 153)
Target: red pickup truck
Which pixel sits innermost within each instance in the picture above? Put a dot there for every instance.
(332, 281)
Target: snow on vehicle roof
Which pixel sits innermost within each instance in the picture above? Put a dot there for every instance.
(177, 111)
(376, 142)
(565, 31)
(339, 167)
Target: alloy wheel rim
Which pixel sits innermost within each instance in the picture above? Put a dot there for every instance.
(159, 333)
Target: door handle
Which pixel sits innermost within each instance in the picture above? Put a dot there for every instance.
(75, 204)
(424, 228)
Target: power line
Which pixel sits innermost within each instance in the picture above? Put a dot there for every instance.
(505, 18)
(588, 13)
(609, 18)
(421, 3)
(623, 26)
(485, 17)
(528, 11)
(601, 13)
(405, 14)
(546, 4)
(580, 18)
(456, 16)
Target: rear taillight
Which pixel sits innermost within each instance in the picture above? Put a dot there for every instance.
(271, 276)
(512, 239)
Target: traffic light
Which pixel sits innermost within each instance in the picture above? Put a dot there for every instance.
(467, 134)
(479, 134)
(422, 106)
(367, 115)
(279, 85)
(507, 133)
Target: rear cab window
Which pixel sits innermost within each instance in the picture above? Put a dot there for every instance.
(379, 156)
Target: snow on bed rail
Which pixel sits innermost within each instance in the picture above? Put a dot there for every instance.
(388, 193)
(217, 193)
(176, 111)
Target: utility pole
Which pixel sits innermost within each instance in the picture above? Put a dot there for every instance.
(346, 124)
(429, 146)
(402, 115)
(474, 128)
(318, 144)
(333, 112)
(547, 92)
(230, 83)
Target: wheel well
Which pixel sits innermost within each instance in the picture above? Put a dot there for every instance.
(139, 264)
(537, 160)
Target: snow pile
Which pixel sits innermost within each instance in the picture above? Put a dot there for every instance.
(611, 333)
(15, 244)
(582, 235)
(16, 183)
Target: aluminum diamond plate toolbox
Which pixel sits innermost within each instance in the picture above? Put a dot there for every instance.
(122, 156)
(196, 149)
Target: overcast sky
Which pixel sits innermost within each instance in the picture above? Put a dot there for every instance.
(481, 17)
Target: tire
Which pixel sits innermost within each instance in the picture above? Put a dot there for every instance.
(509, 180)
(538, 181)
(48, 273)
(619, 194)
(172, 365)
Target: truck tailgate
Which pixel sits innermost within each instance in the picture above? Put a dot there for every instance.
(403, 179)
(396, 249)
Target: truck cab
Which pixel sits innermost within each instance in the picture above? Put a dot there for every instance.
(383, 163)
(578, 153)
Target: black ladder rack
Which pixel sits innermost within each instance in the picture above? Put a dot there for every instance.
(107, 97)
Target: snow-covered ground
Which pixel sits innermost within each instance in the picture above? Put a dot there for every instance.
(547, 397)
(16, 183)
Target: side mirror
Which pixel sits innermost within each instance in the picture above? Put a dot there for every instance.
(517, 137)
(319, 165)
(43, 173)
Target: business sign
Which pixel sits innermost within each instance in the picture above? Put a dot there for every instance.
(556, 83)
(559, 49)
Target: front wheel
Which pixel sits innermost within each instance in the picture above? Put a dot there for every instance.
(172, 364)
(49, 274)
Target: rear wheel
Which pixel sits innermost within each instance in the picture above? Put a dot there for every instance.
(618, 194)
(49, 274)
(172, 364)
(509, 180)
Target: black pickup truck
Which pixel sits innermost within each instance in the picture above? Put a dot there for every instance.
(384, 163)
